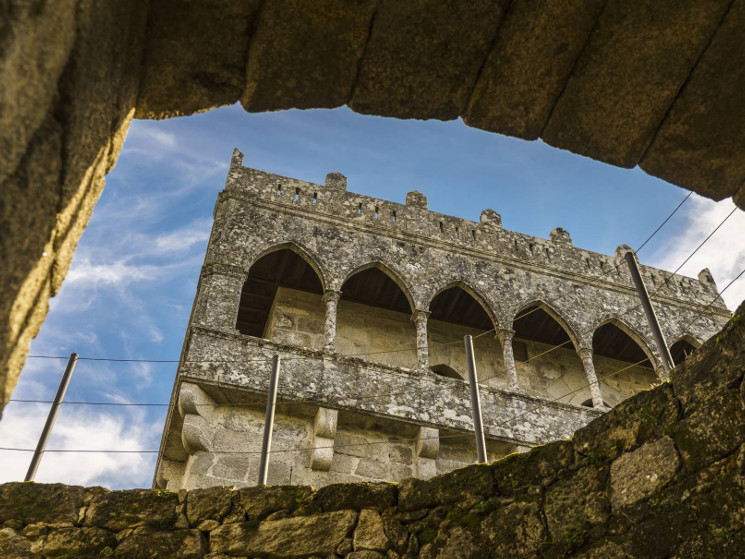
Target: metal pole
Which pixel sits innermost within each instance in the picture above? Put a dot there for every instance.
(51, 418)
(641, 289)
(271, 401)
(478, 426)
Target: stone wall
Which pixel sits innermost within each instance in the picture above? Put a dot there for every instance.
(661, 475)
(584, 76)
(364, 449)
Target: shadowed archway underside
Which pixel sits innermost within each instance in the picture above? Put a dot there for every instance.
(585, 77)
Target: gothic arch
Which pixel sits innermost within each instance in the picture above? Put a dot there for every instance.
(553, 313)
(634, 335)
(688, 338)
(683, 346)
(478, 297)
(394, 276)
(300, 251)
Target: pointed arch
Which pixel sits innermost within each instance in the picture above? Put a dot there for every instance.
(388, 271)
(525, 310)
(631, 333)
(298, 249)
(279, 267)
(478, 297)
(682, 347)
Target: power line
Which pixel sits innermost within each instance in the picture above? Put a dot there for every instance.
(664, 222)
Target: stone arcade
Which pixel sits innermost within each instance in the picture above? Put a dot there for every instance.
(367, 302)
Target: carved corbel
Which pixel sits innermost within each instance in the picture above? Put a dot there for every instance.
(427, 450)
(193, 402)
(324, 433)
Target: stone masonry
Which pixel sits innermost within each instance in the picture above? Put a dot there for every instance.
(369, 393)
(661, 475)
(651, 83)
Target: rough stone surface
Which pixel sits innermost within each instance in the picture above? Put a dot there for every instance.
(304, 54)
(636, 502)
(643, 472)
(71, 75)
(615, 98)
(523, 77)
(423, 57)
(202, 74)
(369, 534)
(699, 145)
(291, 537)
(131, 508)
(30, 503)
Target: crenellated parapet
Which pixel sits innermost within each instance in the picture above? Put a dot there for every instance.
(485, 239)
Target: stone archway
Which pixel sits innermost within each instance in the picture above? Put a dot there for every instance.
(650, 83)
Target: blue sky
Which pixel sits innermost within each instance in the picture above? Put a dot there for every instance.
(131, 285)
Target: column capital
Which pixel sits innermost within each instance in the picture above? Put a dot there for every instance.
(504, 334)
(331, 294)
(584, 350)
(418, 314)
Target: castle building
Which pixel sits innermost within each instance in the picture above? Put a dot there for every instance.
(366, 302)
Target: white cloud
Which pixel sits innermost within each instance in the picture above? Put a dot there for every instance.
(723, 254)
(86, 273)
(183, 239)
(80, 428)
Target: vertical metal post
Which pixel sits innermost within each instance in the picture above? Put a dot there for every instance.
(52, 417)
(641, 289)
(271, 401)
(478, 426)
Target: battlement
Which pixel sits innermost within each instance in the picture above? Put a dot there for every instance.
(487, 236)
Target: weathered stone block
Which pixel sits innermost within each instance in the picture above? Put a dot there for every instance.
(646, 415)
(639, 474)
(423, 56)
(14, 545)
(258, 502)
(527, 473)
(119, 510)
(356, 496)
(523, 77)
(182, 75)
(374, 469)
(515, 530)
(32, 503)
(576, 503)
(74, 542)
(291, 537)
(208, 504)
(711, 431)
(181, 544)
(304, 54)
(699, 145)
(616, 97)
(369, 533)
(37, 39)
(450, 488)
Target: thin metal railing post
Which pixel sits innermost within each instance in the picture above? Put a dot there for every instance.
(478, 426)
(52, 417)
(654, 324)
(271, 402)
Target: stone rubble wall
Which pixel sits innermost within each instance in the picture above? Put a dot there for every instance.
(585, 76)
(661, 475)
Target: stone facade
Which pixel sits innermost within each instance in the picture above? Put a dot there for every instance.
(364, 392)
(661, 475)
